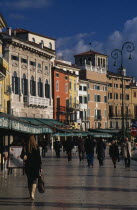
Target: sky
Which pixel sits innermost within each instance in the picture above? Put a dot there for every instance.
(106, 24)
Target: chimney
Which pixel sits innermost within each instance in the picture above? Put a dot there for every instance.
(9, 31)
(41, 45)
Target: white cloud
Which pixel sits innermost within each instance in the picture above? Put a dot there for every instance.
(24, 4)
(69, 46)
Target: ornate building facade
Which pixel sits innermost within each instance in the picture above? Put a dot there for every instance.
(30, 57)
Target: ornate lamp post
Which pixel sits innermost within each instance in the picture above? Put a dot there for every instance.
(115, 54)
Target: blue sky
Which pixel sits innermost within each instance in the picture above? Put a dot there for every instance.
(75, 23)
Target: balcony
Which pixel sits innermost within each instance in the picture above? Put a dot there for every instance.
(98, 117)
(36, 101)
(2, 71)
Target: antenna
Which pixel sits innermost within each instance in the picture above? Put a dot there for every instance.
(90, 43)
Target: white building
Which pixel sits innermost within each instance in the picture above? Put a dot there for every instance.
(30, 57)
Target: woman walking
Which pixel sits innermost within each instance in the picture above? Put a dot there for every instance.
(114, 152)
(31, 156)
(100, 150)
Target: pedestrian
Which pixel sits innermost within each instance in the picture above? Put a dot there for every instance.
(100, 150)
(44, 148)
(126, 152)
(31, 156)
(69, 146)
(89, 148)
(57, 147)
(114, 152)
(81, 148)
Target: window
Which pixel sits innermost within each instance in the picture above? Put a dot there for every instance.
(115, 96)
(135, 95)
(57, 74)
(81, 115)
(97, 114)
(66, 77)
(110, 85)
(97, 98)
(127, 86)
(85, 88)
(33, 39)
(104, 88)
(120, 85)
(57, 85)
(103, 62)
(96, 87)
(80, 99)
(105, 113)
(85, 100)
(13, 57)
(116, 124)
(80, 87)
(88, 112)
(39, 65)
(40, 88)
(127, 97)
(24, 85)
(109, 95)
(50, 45)
(47, 89)
(23, 60)
(111, 124)
(120, 96)
(105, 99)
(32, 63)
(98, 61)
(46, 68)
(32, 87)
(115, 85)
(15, 83)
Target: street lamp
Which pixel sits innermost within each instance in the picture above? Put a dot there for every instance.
(129, 47)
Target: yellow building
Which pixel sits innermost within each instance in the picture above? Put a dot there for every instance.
(134, 101)
(4, 77)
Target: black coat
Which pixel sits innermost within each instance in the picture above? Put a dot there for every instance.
(89, 146)
(33, 162)
(100, 149)
(114, 151)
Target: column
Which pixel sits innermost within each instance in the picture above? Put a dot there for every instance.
(28, 76)
(36, 77)
(43, 80)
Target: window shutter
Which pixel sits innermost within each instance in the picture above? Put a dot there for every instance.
(13, 84)
(26, 87)
(22, 85)
(34, 88)
(18, 85)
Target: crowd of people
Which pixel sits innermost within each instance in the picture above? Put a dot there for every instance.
(86, 148)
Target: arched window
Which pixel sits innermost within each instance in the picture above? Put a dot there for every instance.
(33, 39)
(50, 45)
(32, 86)
(40, 88)
(47, 89)
(24, 85)
(15, 83)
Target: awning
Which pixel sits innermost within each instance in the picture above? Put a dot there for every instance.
(13, 123)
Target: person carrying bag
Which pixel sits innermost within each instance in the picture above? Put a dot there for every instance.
(32, 160)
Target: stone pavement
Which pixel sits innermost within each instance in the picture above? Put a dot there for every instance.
(72, 185)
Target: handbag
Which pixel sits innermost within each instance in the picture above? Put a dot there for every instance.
(41, 184)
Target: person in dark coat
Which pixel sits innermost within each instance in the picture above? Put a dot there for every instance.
(81, 148)
(32, 159)
(89, 148)
(100, 150)
(44, 148)
(114, 152)
(69, 146)
(57, 146)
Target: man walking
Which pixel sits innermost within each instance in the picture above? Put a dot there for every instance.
(126, 152)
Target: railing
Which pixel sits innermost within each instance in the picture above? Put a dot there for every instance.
(94, 68)
(98, 117)
(36, 101)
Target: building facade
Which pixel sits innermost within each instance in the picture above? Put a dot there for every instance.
(115, 100)
(30, 57)
(93, 67)
(83, 105)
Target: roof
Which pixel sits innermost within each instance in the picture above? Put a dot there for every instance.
(91, 52)
(21, 31)
(67, 65)
(109, 73)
